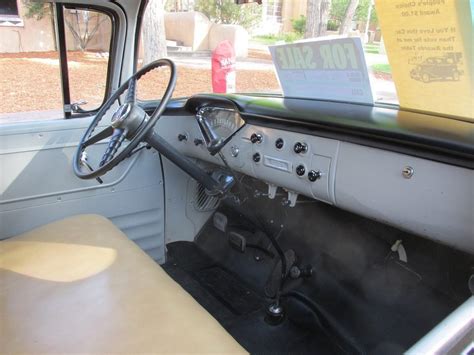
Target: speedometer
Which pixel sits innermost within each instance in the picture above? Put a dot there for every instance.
(218, 124)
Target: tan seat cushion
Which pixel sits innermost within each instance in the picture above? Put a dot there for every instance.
(79, 285)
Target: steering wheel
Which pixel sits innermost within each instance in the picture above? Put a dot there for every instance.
(129, 122)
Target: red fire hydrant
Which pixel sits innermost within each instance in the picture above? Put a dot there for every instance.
(223, 68)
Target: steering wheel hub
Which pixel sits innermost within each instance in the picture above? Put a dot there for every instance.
(121, 115)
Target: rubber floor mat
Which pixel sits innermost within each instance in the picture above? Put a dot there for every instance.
(229, 290)
(239, 309)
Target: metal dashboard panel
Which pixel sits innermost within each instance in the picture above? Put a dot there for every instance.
(437, 202)
(279, 165)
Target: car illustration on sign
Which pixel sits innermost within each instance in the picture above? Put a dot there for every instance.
(438, 68)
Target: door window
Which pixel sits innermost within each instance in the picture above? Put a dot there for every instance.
(32, 74)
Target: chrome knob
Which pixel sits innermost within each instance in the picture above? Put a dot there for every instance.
(256, 138)
(314, 175)
(300, 147)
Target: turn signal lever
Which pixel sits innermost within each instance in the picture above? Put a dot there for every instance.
(85, 163)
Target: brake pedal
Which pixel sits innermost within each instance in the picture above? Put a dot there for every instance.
(237, 241)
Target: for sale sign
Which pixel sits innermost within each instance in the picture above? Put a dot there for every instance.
(327, 69)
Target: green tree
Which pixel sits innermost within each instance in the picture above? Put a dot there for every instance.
(349, 16)
(317, 16)
(227, 12)
(154, 37)
(37, 9)
(339, 7)
(363, 10)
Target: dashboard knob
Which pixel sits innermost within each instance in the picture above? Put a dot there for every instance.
(256, 138)
(279, 143)
(198, 141)
(300, 147)
(234, 151)
(300, 170)
(256, 157)
(182, 137)
(314, 175)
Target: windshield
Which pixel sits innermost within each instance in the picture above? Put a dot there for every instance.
(278, 48)
(252, 29)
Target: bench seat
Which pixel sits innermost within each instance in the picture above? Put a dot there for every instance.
(81, 286)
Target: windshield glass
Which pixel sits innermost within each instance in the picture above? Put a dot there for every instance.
(278, 48)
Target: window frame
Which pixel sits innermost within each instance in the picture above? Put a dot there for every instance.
(11, 15)
(62, 49)
(12, 20)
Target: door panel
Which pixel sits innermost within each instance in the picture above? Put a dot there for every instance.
(38, 186)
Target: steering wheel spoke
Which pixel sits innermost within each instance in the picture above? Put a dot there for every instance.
(131, 92)
(115, 142)
(105, 133)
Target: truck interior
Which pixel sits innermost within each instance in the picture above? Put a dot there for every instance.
(233, 223)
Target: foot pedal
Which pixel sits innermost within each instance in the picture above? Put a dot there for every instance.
(273, 282)
(237, 241)
(220, 221)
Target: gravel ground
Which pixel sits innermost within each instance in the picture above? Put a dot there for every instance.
(31, 81)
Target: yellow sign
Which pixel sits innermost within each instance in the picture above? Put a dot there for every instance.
(429, 47)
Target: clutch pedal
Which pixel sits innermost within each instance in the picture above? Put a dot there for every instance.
(220, 221)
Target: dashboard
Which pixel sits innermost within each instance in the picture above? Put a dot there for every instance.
(418, 195)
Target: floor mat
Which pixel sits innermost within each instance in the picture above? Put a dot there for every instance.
(239, 309)
(229, 290)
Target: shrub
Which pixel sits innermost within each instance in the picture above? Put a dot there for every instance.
(299, 25)
(290, 37)
(226, 11)
(333, 25)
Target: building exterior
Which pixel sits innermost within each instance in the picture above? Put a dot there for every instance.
(22, 34)
(278, 14)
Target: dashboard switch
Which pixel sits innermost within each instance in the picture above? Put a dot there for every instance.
(300, 147)
(314, 175)
(279, 143)
(256, 157)
(300, 170)
(256, 138)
